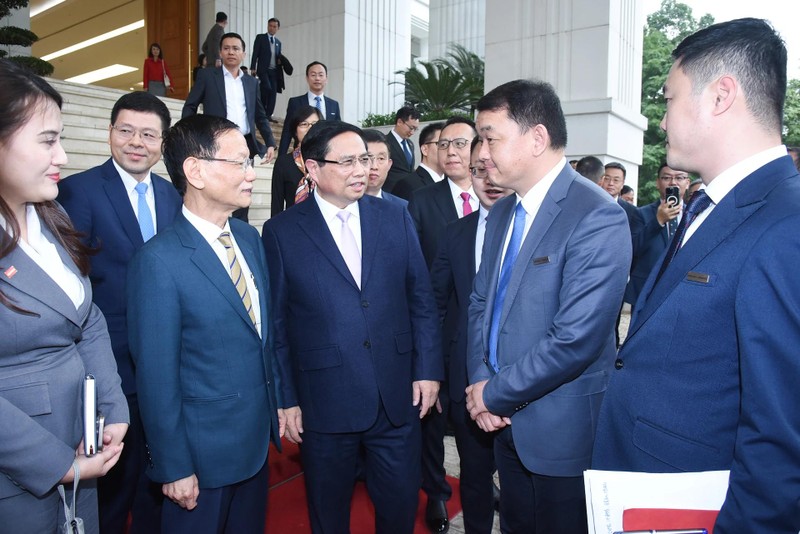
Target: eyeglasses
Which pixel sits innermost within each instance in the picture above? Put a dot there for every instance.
(444, 144)
(676, 177)
(478, 173)
(148, 137)
(612, 179)
(245, 164)
(410, 126)
(430, 143)
(349, 163)
(306, 124)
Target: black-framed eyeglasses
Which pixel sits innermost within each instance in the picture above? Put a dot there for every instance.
(245, 164)
(306, 124)
(444, 144)
(349, 163)
(410, 126)
(676, 177)
(148, 137)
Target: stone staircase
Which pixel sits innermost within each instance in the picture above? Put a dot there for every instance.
(86, 115)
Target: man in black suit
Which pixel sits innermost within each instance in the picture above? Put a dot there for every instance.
(379, 165)
(659, 222)
(266, 64)
(429, 171)
(452, 274)
(216, 88)
(317, 79)
(401, 149)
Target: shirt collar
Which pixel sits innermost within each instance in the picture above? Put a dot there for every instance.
(129, 181)
(207, 229)
(534, 197)
(329, 211)
(730, 177)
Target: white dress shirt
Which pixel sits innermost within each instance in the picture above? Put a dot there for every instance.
(313, 102)
(236, 107)
(130, 184)
(329, 212)
(479, 236)
(434, 176)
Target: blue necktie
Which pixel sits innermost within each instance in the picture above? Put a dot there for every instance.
(697, 204)
(502, 285)
(145, 217)
(409, 155)
(318, 100)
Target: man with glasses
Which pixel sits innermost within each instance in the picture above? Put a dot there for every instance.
(429, 171)
(118, 206)
(380, 162)
(198, 301)
(659, 222)
(401, 148)
(227, 92)
(346, 268)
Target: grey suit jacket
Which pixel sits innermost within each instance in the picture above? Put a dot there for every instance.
(44, 357)
(556, 342)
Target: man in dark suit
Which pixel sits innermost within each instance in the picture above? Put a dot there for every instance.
(401, 148)
(265, 65)
(211, 45)
(216, 88)
(429, 171)
(452, 274)
(199, 326)
(348, 266)
(707, 378)
(105, 204)
(541, 321)
(379, 164)
(659, 222)
(317, 79)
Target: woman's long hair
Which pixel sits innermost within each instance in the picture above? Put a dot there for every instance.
(160, 51)
(22, 93)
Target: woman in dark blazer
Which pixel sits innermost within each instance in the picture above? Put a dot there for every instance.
(289, 168)
(52, 334)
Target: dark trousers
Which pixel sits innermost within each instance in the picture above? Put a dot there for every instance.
(533, 503)
(127, 489)
(270, 94)
(239, 508)
(391, 457)
(476, 459)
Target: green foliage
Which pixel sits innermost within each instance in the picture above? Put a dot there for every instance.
(10, 35)
(7, 6)
(374, 119)
(791, 114)
(13, 36)
(38, 66)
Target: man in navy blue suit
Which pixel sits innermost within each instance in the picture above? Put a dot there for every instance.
(356, 334)
(707, 378)
(105, 206)
(541, 342)
(265, 64)
(379, 164)
(200, 336)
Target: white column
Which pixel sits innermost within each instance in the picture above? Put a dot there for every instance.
(591, 52)
(457, 21)
(362, 42)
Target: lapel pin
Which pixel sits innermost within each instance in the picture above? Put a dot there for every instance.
(10, 272)
(542, 260)
(701, 278)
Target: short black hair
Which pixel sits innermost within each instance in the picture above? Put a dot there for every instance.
(617, 165)
(375, 136)
(590, 167)
(316, 63)
(428, 132)
(474, 143)
(751, 51)
(405, 113)
(299, 116)
(317, 141)
(194, 136)
(231, 35)
(625, 190)
(661, 168)
(142, 102)
(276, 21)
(221, 16)
(528, 103)
(458, 119)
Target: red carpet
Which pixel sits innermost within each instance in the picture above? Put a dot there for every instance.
(286, 508)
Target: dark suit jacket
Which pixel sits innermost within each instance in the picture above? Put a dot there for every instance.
(432, 208)
(634, 221)
(556, 343)
(344, 352)
(452, 274)
(709, 368)
(410, 183)
(261, 56)
(209, 90)
(394, 199)
(650, 243)
(204, 376)
(332, 113)
(400, 168)
(97, 203)
(285, 177)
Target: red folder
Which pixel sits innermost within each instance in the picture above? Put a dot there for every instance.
(664, 519)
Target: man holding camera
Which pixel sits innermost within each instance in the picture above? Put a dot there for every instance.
(660, 219)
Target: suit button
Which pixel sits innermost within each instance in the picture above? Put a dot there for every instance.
(367, 344)
(364, 304)
(619, 364)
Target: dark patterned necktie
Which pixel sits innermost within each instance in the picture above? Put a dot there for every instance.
(697, 204)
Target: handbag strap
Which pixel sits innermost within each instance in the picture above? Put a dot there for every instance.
(69, 513)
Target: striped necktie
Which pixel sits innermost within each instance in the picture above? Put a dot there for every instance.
(236, 274)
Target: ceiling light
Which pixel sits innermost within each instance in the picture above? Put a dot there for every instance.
(44, 6)
(102, 74)
(95, 40)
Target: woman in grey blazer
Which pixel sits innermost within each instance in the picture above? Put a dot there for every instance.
(51, 335)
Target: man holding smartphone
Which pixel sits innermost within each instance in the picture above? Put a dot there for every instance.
(660, 219)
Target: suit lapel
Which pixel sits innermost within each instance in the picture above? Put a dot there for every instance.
(251, 256)
(493, 247)
(118, 198)
(219, 83)
(165, 210)
(371, 222)
(444, 201)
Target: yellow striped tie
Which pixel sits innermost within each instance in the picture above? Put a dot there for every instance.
(236, 274)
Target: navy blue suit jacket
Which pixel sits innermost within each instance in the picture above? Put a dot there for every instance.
(344, 352)
(332, 113)
(411, 182)
(400, 168)
(98, 204)
(394, 199)
(452, 274)
(556, 343)
(204, 375)
(209, 90)
(650, 243)
(261, 56)
(432, 208)
(710, 366)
